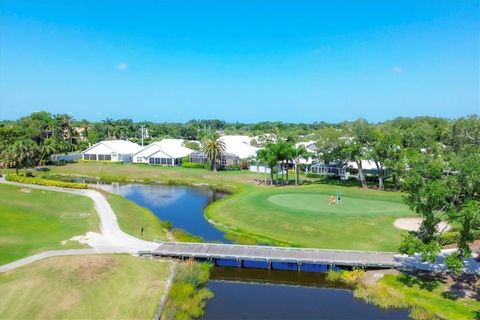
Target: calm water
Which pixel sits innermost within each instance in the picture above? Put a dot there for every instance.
(181, 205)
(250, 293)
(272, 294)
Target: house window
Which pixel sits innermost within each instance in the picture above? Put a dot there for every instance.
(90, 157)
(139, 159)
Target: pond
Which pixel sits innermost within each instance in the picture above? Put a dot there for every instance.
(242, 293)
(181, 205)
(273, 294)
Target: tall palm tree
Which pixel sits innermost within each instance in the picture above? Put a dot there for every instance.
(269, 155)
(108, 124)
(214, 148)
(85, 125)
(299, 153)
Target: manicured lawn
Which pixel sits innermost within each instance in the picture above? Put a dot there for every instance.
(131, 217)
(35, 220)
(228, 180)
(301, 216)
(84, 287)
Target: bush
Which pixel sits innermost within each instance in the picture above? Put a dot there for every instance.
(193, 165)
(348, 277)
(96, 161)
(30, 174)
(313, 175)
(46, 182)
(187, 296)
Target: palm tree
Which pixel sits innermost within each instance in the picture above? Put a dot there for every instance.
(298, 153)
(20, 154)
(108, 123)
(85, 125)
(269, 155)
(214, 148)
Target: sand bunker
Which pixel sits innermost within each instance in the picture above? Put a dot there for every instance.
(413, 224)
(25, 190)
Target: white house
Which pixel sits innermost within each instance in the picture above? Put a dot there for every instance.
(311, 148)
(167, 152)
(239, 146)
(113, 150)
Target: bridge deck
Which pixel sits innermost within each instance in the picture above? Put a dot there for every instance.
(280, 254)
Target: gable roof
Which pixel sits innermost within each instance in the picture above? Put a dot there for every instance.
(117, 146)
(239, 146)
(171, 147)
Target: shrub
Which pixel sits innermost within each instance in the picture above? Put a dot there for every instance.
(313, 175)
(348, 277)
(97, 161)
(193, 165)
(46, 182)
(187, 295)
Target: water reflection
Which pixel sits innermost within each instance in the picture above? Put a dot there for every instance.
(272, 294)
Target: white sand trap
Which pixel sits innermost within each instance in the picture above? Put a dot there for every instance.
(413, 224)
(25, 190)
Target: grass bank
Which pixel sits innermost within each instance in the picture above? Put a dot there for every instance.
(223, 180)
(84, 287)
(426, 297)
(132, 218)
(36, 220)
(187, 296)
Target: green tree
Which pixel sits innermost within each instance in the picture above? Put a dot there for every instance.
(214, 148)
(20, 155)
(299, 153)
(269, 156)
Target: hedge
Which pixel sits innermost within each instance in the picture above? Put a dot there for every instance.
(46, 182)
(193, 165)
(313, 175)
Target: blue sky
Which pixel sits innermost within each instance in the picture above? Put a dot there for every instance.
(247, 61)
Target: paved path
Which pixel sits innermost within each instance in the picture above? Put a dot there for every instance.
(111, 240)
(277, 254)
(52, 253)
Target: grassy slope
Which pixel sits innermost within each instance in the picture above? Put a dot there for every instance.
(132, 217)
(84, 287)
(431, 296)
(302, 217)
(32, 221)
(254, 216)
(228, 180)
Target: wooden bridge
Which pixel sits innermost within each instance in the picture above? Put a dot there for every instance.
(281, 258)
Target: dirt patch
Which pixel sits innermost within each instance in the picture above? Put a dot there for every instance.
(413, 224)
(372, 276)
(25, 190)
(94, 268)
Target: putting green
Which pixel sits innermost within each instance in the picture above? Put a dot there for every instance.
(319, 203)
(301, 216)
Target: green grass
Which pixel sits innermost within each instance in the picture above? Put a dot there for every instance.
(427, 299)
(291, 216)
(223, 180)
(131, 218)
(35, 220)
(84, 287)
(301, 216)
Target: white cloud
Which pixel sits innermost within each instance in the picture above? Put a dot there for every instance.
(397, 69)
(121, 66)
